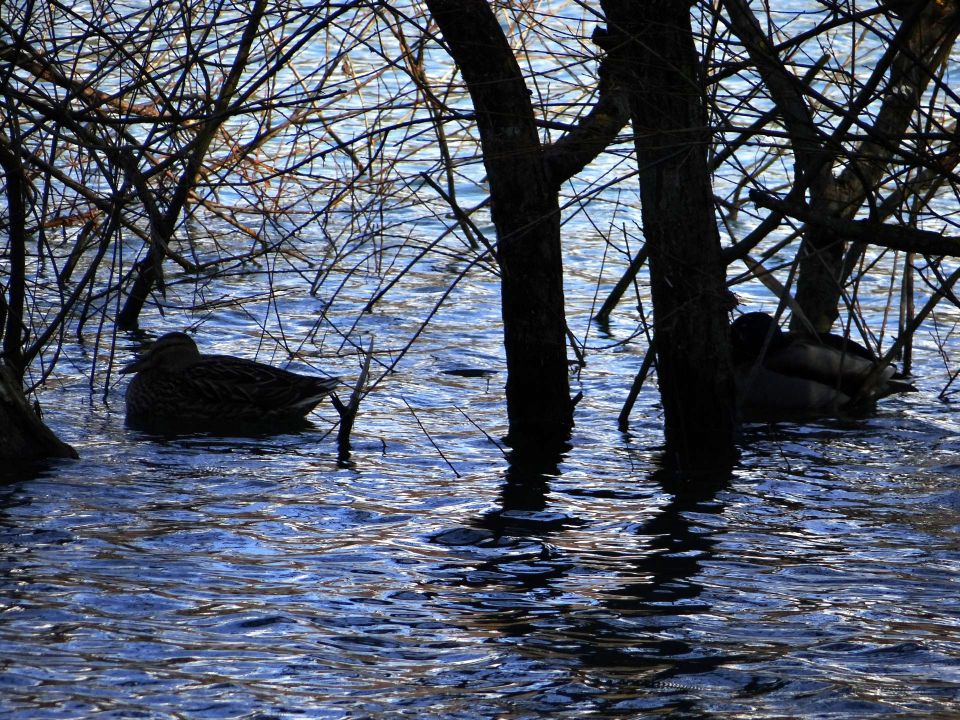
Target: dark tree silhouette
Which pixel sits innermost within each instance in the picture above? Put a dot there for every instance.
(526, 212)
(651, 48)
(154, 150)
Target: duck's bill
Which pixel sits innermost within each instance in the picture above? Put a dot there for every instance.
(131, 367)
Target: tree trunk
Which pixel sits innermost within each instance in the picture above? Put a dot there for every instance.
(526, 213)
(651, 46)
(12, 328)
(926, 37)
(23, 436)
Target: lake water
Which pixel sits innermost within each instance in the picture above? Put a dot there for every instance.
(257, 578)
(207, 577)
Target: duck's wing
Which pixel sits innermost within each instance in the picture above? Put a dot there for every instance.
(893, 385)
(237, 381)
(827, 364)
(844, 367)
(846, 345)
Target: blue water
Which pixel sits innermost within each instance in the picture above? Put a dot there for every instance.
(257, 578)
(210, 577)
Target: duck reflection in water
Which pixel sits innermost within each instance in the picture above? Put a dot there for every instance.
(177, 389)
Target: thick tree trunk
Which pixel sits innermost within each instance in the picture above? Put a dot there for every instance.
(651, 45)
(23, 436)
(927, 36)
(13, 304)
(525, 210)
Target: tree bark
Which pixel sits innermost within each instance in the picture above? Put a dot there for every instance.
(23, 435)
(926, 37)
(13, 305)
(896, 237)
(525, 210)
(652, 49)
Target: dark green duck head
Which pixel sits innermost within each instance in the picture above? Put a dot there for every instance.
(755, 334)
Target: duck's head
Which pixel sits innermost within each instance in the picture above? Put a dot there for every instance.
(750, 332)
(172, 351)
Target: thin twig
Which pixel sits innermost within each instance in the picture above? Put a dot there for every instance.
(427, 435)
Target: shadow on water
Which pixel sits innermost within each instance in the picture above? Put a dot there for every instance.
(672, 548)
(16, 471)
(629, 644)
(526, 485)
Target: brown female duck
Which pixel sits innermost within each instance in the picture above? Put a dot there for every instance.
(177, 389)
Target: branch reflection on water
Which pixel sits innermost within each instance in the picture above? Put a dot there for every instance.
(636, 634)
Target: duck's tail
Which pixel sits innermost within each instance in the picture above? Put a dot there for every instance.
(881, 383)
(898, 383)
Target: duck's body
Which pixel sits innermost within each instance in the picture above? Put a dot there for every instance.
(779, 373)
(176, 389)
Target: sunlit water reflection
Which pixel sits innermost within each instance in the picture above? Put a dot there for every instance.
(210, 577)
(258, 578)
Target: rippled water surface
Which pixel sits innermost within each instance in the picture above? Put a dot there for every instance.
(256, 578)
(259, 578)
(203, 577)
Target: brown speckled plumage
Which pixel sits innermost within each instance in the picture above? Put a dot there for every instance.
(176, 389)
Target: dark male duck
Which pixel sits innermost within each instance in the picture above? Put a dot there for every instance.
(176, 389)
(786, 374)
